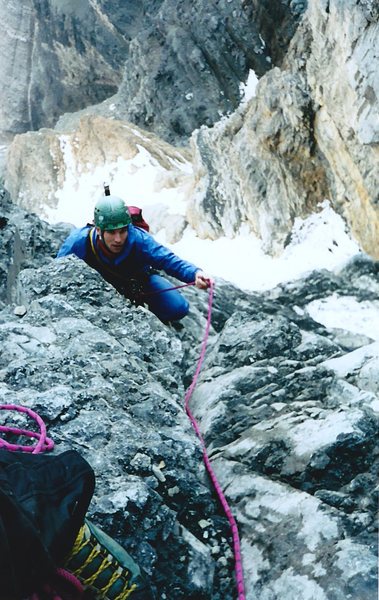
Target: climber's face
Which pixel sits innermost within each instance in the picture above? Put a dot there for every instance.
(115, 239)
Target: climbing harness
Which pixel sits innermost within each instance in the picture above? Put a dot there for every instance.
(131, 287)
(136, 293)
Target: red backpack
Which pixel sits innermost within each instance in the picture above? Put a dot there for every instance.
(137, 218)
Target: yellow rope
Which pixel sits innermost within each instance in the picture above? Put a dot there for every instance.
(93, 554)
(126, 594)
(117, 575)
(91, 580)
(80, 542)
(112, 580)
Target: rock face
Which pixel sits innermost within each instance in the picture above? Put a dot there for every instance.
(185, 69)
(182, 63)
(152, 493)
(349, 144)
(301, 420)
(59, 56)
(311, 133)
(288, 409)
(24, 240)
(260, 166)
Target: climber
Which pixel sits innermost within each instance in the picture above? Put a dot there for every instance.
(129, 257)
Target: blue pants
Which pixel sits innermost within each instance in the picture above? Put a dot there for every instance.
(167, 306)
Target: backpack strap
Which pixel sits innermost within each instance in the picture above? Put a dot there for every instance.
(90, 237)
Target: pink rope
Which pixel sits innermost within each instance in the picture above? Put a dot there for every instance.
(71, 579)
(44, 443)
(224, 503)
(176, 287)
(77, 589)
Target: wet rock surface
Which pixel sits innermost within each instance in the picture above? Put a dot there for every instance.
(288, 409)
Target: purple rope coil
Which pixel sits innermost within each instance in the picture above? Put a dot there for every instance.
(44, 444)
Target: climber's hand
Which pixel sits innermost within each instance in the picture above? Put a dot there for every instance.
(202, 281)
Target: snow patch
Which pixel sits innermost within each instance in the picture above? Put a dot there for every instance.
(140, 181)
(353, 361)
(248, 89)
(345, 312)
(318, 242)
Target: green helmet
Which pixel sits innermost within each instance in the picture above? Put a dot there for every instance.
(111, 213)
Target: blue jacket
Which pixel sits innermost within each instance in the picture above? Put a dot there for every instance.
(141, 252)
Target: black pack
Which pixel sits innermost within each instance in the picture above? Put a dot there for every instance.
(43, 502)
